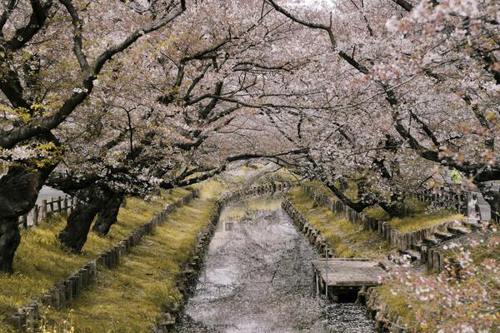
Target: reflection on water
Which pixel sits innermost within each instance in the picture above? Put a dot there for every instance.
(258, 278)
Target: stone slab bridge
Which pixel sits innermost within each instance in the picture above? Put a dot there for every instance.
(340, 279)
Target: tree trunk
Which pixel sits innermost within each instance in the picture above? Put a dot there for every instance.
(107, 215)
(396, 207)
(74, 235)
(358, 206)
(19, 190)
(9, 241)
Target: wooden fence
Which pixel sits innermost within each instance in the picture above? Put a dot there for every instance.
(45, 209)
(450, 200)
(444, 199)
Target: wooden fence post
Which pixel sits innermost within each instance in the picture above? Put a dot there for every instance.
(51, 206)
(36, 210)
(59, 204)
(44, 209)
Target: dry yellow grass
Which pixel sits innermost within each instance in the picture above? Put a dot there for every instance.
(130, 297)
(345, 238)
(40, 261)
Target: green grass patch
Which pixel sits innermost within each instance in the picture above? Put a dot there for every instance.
(423, 221)
(376, 212)
(320, 188)
(404, 305)
(346, 239)
(418, 217)
(130, 297)
(40, 261)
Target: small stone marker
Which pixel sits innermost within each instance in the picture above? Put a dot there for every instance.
(484, 209)
(478, 209)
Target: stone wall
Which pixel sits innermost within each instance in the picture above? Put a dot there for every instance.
(313, 235)
(27, 318)
(386, 321)
(432, 257)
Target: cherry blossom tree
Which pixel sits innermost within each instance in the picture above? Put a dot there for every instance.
(404, 96)
(51, 56)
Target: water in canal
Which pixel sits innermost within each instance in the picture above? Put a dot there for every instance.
(257, 279)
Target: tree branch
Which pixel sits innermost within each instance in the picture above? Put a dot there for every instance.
(37, 20)
(6, 14)
(44, 124)
(77, 36)
(323, 27)
(404, 4)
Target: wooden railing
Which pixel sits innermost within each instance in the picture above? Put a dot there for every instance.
(47, 207)
(450, 200)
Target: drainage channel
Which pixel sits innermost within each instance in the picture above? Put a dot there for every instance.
(258, 278)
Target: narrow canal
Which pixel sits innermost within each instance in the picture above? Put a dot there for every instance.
(257, 278)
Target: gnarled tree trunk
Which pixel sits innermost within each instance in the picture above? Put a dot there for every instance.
(108, 214)
(19, 190)
(358, 205)
(74, 235)
(394, 208)
(9, 241)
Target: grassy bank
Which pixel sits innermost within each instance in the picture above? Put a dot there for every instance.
(345, 238)
(463, 298)
(130, 297)
(40, 260)
(419, 215)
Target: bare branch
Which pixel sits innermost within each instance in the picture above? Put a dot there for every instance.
(312, 25)
(37, 20)
(404, 4)
(77, 35)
